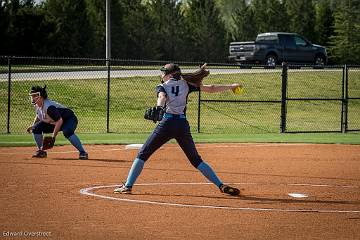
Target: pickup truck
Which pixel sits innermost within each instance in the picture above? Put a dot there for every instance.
(276, 47)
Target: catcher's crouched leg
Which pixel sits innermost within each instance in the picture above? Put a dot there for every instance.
(75, 141)
(42, 143)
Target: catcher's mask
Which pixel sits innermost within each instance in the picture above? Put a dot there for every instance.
(172, 69)
(36, 92)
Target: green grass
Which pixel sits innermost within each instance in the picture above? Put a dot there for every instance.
(131, 96)
(111, 138)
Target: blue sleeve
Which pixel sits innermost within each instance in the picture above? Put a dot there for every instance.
(159, 89)
(54, 113)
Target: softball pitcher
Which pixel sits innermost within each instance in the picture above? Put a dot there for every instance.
(171, 112)
(52, 117)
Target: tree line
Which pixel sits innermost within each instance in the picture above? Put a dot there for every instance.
(182, 30)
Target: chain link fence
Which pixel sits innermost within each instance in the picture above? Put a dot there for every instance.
(352, 94)
(111, 96)
(315, 99)
(67, 82)
(255, 110)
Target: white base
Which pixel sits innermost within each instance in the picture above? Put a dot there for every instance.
(133, 146)
(298, 195)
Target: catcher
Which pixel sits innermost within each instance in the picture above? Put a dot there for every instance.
(170, 110)
(52, 117)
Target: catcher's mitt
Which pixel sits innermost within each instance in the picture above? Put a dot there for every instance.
(154, 113)
(48, 143)
(196, 77)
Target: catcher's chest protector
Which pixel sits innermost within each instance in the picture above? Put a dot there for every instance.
(177, 92)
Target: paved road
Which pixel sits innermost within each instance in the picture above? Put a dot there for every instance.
(41, 76)
(103, 74)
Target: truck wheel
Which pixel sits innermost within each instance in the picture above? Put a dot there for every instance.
(319, 60)
(270, 60)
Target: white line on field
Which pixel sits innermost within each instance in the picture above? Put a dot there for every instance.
(89, 191)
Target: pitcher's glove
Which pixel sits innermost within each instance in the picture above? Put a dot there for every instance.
(154, 113)
(48, 142)
(196, 77)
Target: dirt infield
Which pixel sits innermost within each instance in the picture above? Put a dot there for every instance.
(289, 191)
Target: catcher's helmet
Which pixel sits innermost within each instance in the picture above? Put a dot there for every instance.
(170, 68)
(36, 92)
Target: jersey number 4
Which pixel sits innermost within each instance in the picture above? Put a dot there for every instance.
(175, 90)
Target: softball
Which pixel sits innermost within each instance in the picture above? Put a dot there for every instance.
(237, 90)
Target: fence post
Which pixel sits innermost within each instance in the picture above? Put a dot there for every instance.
(9, 96)
(345, 98)
(342, 124)
(284, 78)
(108, 97)
(199, 112)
